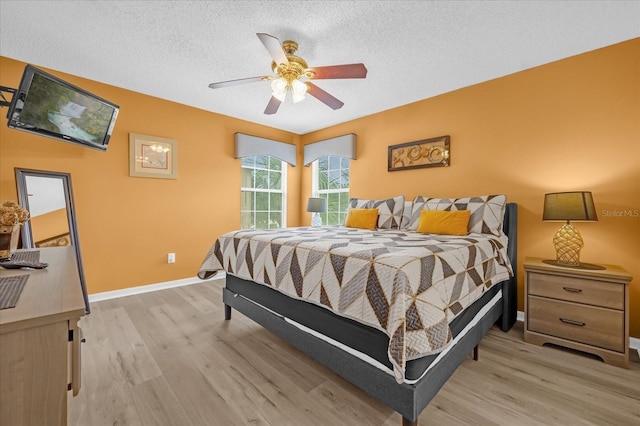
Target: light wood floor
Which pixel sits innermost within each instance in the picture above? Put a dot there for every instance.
(169, 358)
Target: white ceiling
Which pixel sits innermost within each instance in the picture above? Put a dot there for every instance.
(412, 49)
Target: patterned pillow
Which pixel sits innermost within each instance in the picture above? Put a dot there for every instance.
(389, 210)
(487, 211)
(406, 215)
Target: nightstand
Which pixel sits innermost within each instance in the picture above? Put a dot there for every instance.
(583, 309)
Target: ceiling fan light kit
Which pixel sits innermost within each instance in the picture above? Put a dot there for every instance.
(298, 90)
(279, 88)
(291, 73)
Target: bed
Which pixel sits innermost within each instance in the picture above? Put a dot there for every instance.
(386, 309)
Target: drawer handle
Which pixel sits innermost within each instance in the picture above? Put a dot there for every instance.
(573, 322)
(573, 290)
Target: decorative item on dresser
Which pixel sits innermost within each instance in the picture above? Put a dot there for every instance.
(317, 206)
(578, 308)
(11, 217)
(568, 206)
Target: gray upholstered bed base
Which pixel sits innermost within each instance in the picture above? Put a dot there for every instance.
(408, 400)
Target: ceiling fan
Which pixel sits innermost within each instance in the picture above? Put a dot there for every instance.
(292, 73)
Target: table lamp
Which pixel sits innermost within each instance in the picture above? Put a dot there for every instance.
(568, 206)
(317, 206)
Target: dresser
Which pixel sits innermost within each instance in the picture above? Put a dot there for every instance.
(40, 342)
(582, 309)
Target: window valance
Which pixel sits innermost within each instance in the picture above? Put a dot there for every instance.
(341, 146)
(248, 146)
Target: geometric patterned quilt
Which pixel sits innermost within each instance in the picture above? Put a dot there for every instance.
(407, 284)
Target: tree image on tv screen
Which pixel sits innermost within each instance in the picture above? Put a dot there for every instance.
(57, 108)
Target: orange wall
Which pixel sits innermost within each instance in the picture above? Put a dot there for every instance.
(569, 125)
(127, 225)
(49, 225)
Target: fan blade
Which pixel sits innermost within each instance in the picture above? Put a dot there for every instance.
(274, 48)
(322, 96)
(237, 82)
(272, 106)
(339, 71)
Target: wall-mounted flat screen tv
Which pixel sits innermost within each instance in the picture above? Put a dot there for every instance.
(49, 106)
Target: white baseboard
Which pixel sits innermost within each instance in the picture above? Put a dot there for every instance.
(97, 297)
(634, 343)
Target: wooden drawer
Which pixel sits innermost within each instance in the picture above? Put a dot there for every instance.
(579, 290)
(585, 324)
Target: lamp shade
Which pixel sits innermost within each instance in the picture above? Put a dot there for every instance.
(317, 205)
(569, 206)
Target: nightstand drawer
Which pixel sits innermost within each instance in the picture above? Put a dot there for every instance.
(586, 324)
(579, 290)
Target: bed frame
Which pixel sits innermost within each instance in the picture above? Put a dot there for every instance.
(407, 399)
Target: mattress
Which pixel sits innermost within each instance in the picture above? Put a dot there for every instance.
(368, 343)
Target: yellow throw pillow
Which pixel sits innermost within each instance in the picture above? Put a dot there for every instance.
(362, 218)
(444, 222)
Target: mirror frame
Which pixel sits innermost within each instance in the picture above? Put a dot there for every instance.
(26, 232)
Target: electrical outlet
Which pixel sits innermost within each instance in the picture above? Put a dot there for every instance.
(171, 258)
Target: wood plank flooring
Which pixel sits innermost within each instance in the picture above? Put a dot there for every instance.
(169, 358)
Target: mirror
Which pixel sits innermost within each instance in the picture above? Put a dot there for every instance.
(49, 199)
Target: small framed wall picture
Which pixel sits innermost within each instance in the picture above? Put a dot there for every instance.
(434, 152)
(153, 157)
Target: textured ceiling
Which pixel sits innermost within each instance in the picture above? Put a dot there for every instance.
(413, 49)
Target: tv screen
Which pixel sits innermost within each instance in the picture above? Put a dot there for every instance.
(48, 106)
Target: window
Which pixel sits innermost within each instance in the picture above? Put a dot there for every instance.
(263, 192)
(331, 181)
